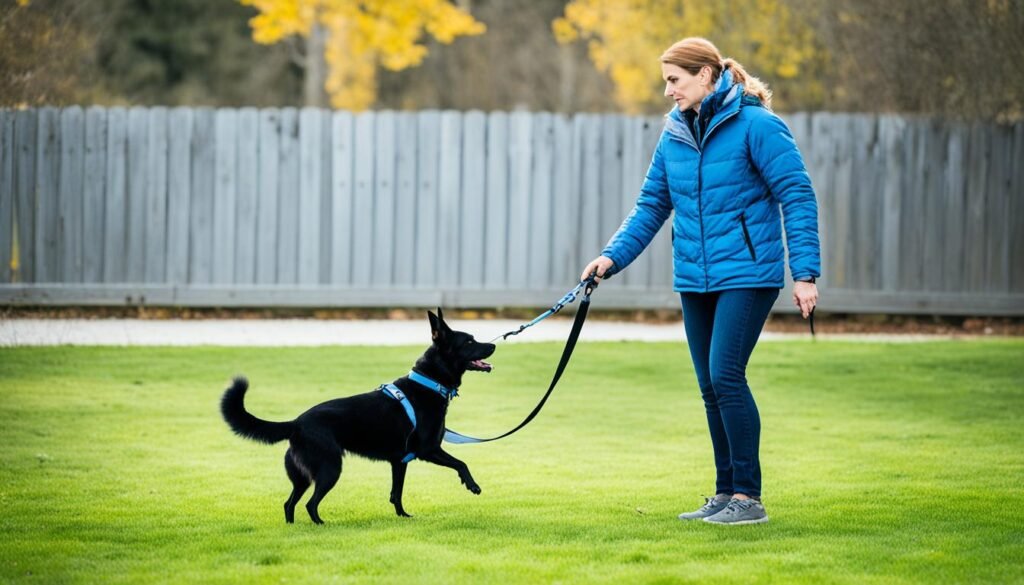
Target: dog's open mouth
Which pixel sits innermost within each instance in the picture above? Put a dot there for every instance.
(480, 366)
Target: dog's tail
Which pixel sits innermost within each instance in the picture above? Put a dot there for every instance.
(232, 406)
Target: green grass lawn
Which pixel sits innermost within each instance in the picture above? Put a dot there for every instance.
(883, 463)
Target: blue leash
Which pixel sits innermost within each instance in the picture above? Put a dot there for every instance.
(590, 284)
(587, 286)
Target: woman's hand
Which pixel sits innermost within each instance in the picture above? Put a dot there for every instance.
(601, 264)
(805, 296)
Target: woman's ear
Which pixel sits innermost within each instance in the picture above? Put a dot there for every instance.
(705, 75)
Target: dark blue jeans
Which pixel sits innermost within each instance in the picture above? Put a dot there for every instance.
(722, 329)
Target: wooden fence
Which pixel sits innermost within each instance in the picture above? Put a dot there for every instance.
(286, 207)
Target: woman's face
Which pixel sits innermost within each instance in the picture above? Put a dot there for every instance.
(686, 89)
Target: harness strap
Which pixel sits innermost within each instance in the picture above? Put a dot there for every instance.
(395, 392)
(444, 391)
(570, 344)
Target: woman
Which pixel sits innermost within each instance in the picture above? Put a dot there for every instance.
(725, 164)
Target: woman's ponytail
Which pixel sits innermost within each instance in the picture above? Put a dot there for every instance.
(751, 85)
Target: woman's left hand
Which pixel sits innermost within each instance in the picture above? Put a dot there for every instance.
(805, 296)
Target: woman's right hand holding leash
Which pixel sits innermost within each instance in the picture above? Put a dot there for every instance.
(601, 265)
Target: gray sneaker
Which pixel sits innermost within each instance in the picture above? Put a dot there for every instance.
(740, 512)
(711, 507)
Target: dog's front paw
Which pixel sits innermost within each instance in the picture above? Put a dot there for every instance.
(471, 486)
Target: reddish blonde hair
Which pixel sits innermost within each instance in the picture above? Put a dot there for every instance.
(695, 53)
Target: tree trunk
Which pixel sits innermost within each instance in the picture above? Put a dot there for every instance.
(567, 79)
(315, 72)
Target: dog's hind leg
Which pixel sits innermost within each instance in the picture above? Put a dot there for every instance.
(326, 476)
(300, 483)
(397, 484)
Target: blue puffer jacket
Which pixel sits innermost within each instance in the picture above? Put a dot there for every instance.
(726, 192)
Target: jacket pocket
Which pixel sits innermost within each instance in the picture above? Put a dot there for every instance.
(746, 237)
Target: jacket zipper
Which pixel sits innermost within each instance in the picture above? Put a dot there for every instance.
(746, 237)
(700, 201)
(700, 215)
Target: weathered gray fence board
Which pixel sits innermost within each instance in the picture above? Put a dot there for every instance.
(382, 252)
(496, 201)
(953, 205)
(820, 165)
(931, 222)
(206, 206)
(6, 194)
(93, 191)
(25, 128)
(863, 254)
(841, 208)
(591, 237)
(610, 184)
(135, 196)
(326, 200)
(974, 224)
(564, 266)
(201, 207)
(912, 209)
(155, 263)
(577, 255)
(474, 203)
(362, 211)
(539, 241)
(247, 196)
(520, 128)
(1016, 242)
(115, 217)
(266, 204)
(428, 138)
(891, 135)
(448, 197)
(630, 176)
(47, 196)
(288, 199)
(405, 199)
(310, 174)
(179, 204)
(225, 189)
(69, 213)
(997, 207)
(342, 149)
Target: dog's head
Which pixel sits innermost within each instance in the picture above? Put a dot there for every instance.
(454, 352)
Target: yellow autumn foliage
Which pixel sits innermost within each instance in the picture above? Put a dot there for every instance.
(362, 35)
(626, 37)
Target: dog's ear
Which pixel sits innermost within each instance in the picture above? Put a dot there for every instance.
(437, 326)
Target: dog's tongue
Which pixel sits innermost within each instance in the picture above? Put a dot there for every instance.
(484, 366)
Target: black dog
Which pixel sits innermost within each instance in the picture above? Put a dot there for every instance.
(376, 425)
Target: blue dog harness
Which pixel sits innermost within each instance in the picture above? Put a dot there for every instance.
(396, 393)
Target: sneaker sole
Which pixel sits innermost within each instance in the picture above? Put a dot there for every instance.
(741, 522)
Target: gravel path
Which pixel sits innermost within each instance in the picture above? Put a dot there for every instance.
(296, 332)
